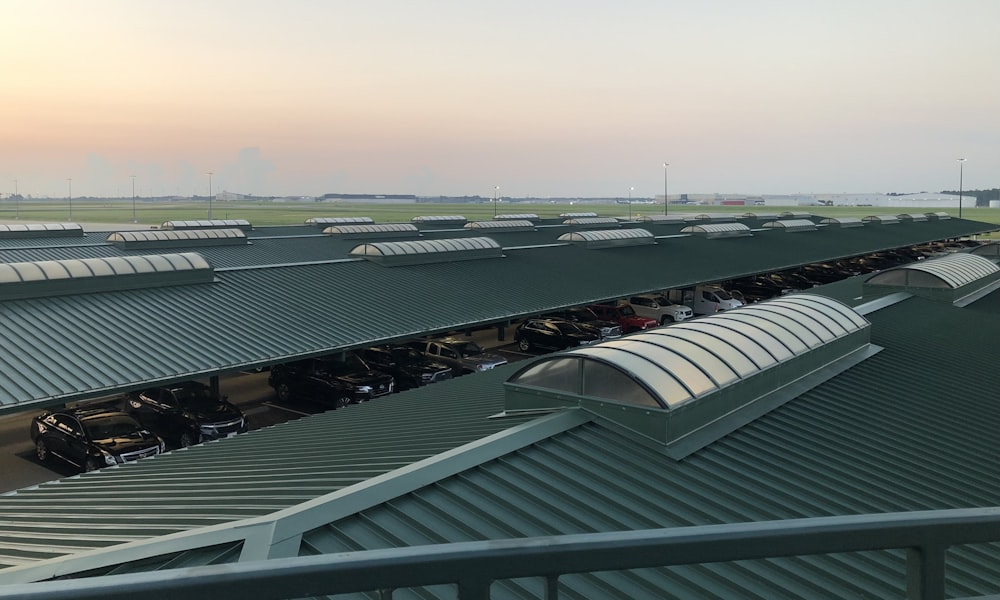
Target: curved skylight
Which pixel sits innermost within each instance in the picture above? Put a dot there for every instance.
(692, 382)
(578, 215)
(503, 225)
(761, 216)
(911, 217)
(21, 230)
(79, 276)
(517, 217)
(440, 219)
(881, 219)
(379, 230)
(794, 215)
(146, 236)
(591, 222)
(714, 217)
(937, 216)
(660, 218)
(207, 224)
(843, 221)
(324, 221)
(719, 230)
(791, 225)
(427, 251)
(950, 271)
(606, 238)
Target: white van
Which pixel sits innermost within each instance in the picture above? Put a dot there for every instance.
(705, 299)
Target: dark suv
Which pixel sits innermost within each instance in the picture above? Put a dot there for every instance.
(554, 334)
(334, 380)
(582, 314)
(186, 413)
(92, 437)
(409, 367)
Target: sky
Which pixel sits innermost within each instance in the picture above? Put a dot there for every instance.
(540, 98)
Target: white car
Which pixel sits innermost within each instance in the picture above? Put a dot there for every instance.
(657, 307)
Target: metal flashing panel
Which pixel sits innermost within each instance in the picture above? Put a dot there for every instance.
(791, 225)
(88, 275)
(881, 219)
(502, 225)
(208, 224)
(382, 230)
(609, 238)
(843, 222)
(719, 230)
(429, 251)
(683, 385)
(327, 221)
(32, 230)
(157, 238)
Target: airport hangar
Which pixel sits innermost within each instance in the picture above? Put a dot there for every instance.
(887, 403)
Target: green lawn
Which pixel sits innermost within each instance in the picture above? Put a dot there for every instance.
(268, 213)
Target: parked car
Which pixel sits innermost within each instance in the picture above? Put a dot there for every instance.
(583, 315)
(337, 381)
(409, 367)
(659, 308)
(462, 355)
(92, 437)
(554, 334)
(186, 413)
(625, 316)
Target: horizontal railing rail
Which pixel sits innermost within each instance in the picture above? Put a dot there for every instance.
(473, 566)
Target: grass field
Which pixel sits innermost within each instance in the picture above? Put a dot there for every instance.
(268, 213)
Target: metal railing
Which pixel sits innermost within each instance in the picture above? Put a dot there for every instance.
(473, 566)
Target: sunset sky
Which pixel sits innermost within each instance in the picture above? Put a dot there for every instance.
(541, 97)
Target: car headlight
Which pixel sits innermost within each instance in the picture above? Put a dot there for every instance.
(363, 389)
(482, 367)
(109, 459)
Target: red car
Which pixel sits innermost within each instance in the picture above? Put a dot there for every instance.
(625, 316)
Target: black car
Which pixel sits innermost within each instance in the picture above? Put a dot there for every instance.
(337, 380)
(554, 334)
(92, 437)
(410, 367)
(186, 413)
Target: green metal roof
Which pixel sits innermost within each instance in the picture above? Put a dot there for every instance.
(909, 429)
(97, 344)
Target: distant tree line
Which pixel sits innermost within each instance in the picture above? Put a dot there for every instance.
(983, 197)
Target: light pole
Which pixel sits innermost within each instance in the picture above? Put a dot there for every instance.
(630, 202)
(666, 200)
(209, 195)
(961, 164)
(70, 180)
(496, 198)
(134, 220)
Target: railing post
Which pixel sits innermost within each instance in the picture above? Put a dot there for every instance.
(552, 587)
(474, 589)
(925, 573)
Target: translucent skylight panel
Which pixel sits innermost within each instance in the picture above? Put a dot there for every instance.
(762, 336)
(827, 322)
(731, 355)
(78, 268)
(739, 342)
(29, 271)
(715, 367)
(681, 368)
(795, 335)
(769, 329)
(8, 274)
(601, 380)
(666, 386)
(53, 269)
(850, 318)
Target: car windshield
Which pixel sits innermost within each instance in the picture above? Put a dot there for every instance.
(566, 327)
(195, 397)
(102, 428)
(626, 310)
(468, 349)
(583, 314)
(723, 295)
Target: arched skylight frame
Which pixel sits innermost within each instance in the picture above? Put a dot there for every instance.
(428, 251)
(328, 221)
(517, 217)
(209, 224)
(502, 225)
(843, 222)
(440, 220)
(880, 219)
(39, 230)
(380, 230)
(578, 215)
(177, 237)
(719, 230)
(951, 271)
(791, 225)
(592, 222)
(607, 238)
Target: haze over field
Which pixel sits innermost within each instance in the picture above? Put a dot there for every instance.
(552, 98)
